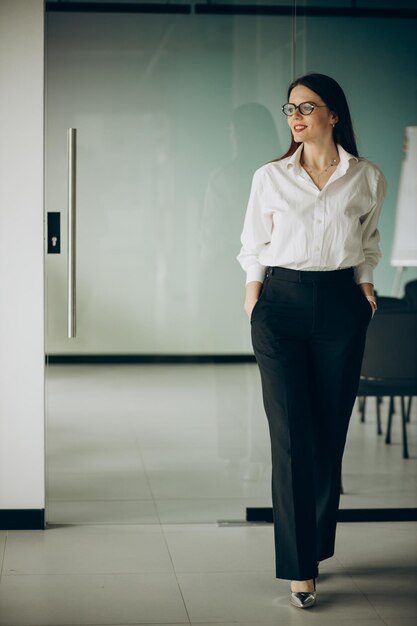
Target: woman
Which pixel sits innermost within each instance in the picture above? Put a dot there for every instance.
(309, 247)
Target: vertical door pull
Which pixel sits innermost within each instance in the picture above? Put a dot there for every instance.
(72, 231)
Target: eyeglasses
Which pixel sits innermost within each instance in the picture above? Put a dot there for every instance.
(305, 108)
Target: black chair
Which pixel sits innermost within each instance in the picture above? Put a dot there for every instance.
(389, 366)
(410, 295)
(385, 303)
(409, 301)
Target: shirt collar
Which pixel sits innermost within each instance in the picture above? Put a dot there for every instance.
(294, 159)
(344, 156)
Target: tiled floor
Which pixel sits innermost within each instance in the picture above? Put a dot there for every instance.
(200, 574)
(143, 461)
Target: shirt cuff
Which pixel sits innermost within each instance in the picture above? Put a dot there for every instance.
(255, 272)
(364, 273)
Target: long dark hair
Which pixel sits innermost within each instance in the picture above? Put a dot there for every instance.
(332, 94)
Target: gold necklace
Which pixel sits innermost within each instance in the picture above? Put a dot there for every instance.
(318, 174)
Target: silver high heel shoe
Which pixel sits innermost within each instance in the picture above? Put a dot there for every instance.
(303, 599)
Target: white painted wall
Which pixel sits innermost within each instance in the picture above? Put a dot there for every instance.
(22, 484)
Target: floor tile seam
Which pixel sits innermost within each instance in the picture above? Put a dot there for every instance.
(103, 500)
(57, 471)
(362, 593)
(176, 576)
(375, 609)
(227, 498)
(135, 437)
(123, 624)
(63, 574)
(150, 529)
(3, 554)
(153, 499)
(237, 572)
(95, 523)
(219, 525)
(179, 572)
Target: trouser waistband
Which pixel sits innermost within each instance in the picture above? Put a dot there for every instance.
(304, 276)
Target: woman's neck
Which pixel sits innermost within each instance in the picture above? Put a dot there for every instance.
(318, 157)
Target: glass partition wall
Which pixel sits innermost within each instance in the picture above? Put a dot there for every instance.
(154, 412)
(173, 115)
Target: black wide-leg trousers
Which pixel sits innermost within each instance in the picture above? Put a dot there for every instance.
(308, 335)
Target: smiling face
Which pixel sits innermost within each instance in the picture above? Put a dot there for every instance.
(315, 127)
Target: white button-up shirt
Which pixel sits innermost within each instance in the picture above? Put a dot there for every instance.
(291, 223)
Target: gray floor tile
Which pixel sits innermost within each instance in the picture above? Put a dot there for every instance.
(102, 512)
(392, 591)
(258, 597)
(87, 550)
(190, 473)
(381, 560)
(93, 458)
(386, 545)
(202, 510)
(103, 485)
(205, 548)
(90, 599)
(399, 621)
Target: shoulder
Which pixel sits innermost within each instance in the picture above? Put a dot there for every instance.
(361, 166)
(369, 167)
(271, 171)
(373, 173)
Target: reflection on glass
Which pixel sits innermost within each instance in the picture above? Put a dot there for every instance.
(174, 113)
(254, 140)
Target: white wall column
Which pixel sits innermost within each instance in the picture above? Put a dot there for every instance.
(22, 482)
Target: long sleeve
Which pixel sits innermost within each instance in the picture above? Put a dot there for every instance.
(370, 235)
(256, 233)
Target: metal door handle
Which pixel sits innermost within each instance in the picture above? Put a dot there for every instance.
(72, 231)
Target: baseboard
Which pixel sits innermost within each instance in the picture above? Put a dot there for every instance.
(126, 359)
(264, 515)
(22, 519)
(228, 8)
(377, 515)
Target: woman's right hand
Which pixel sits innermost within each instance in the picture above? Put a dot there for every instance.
(253, 290)
(249, 306)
